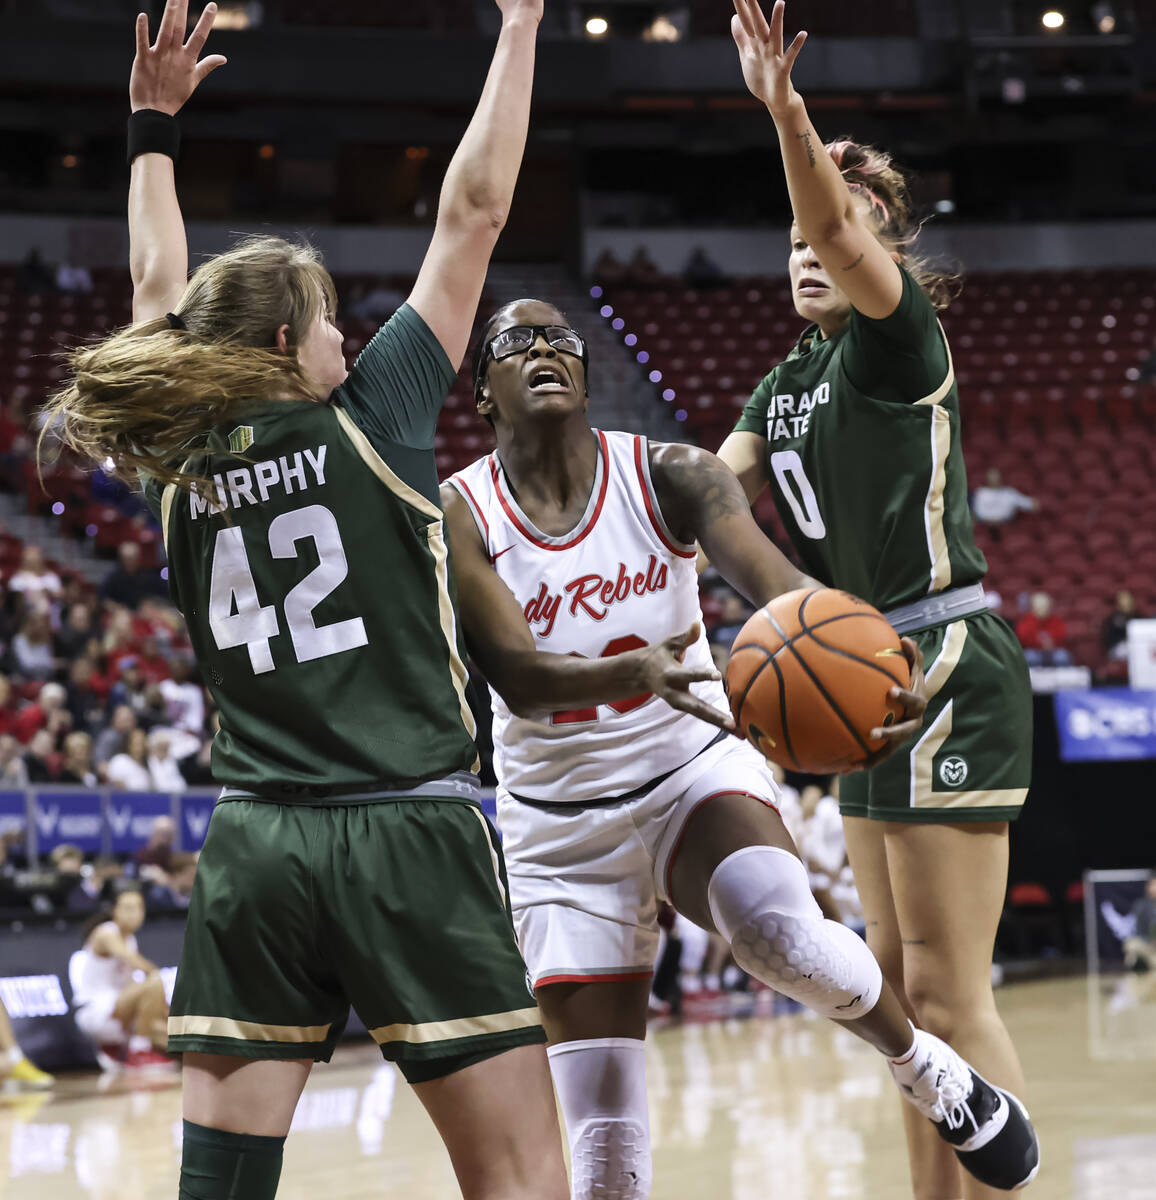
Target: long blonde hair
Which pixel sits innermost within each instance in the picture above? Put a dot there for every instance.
(871, 172)
(147, 396)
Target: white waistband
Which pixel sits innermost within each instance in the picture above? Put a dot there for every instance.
(938, 609)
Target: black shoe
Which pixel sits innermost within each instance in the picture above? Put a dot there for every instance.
(987, 1127)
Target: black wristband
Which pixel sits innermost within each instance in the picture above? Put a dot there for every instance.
(153, 132)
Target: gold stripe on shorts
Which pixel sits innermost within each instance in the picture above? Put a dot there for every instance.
(493, 853)
(444, 1031)
(245, 1031)
(993, 798)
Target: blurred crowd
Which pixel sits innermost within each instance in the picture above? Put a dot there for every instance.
(98, 686)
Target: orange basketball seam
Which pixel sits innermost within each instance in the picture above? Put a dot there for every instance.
(815, 680)
(854, 657)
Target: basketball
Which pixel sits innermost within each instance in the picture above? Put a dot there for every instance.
(809, 676)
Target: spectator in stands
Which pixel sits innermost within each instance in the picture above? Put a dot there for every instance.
(35, 581)
(76, 765)
(158, 850)
(701, 271)
(163, 768)
(642, 271)
(197, 768)
(1114, 635)
(73, 279)
(1140, 948)
(184, 698)
(33, 652)
(129, 688)
(130, 768)
(733, 617)
(41, 759)
(113, 739)
(47, 711)
(68, 862)
(1043, 634)
(995, 503)
(13, 772)
(127, 583)
(92, 892)
(608, 270)
(76, 633)
(177, 889)
(86, 700)
(7, 708)
(35, 275)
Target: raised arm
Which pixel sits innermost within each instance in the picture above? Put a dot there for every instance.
(479, 186)
(530, 680)
(702, 500)
(164, 76)
(825, 212)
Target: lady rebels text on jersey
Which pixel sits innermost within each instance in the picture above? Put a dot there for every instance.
(617, 581)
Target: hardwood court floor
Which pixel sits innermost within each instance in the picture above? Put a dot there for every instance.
(784, 1108)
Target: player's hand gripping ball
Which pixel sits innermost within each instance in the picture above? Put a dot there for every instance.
(809, 677)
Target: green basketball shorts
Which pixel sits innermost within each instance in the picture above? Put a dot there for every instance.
(972, 760)
(398, 908)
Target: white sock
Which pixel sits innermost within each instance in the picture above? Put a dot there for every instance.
(908, 1067)
(15, 1056)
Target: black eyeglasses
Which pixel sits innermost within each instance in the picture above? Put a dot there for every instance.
(519, 338)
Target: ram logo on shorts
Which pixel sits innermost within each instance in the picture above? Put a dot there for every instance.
(953, 770)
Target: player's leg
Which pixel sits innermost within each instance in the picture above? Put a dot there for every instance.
(943, 805)
(597, 1053)
(731, 866)
(13, 1064)
(254, 1004)
(935, 1171)
(585, 908)
(142, 1009)
(947, 945)
(500, 1126)
(412, 908)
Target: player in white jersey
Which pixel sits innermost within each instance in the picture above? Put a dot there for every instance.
(583, 543)
(126, 1017)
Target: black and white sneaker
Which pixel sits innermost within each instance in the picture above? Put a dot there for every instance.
(987, 1127)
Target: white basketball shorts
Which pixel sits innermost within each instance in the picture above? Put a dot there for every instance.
(95, 1020)
(586, 880)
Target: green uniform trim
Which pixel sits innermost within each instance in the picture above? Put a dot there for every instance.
(972, 759)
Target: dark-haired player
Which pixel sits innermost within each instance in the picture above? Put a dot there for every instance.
(857, 433)
(607, 810)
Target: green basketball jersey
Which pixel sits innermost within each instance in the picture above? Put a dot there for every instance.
(316, 585)
(864, 459)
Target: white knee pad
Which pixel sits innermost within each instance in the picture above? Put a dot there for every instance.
(601, 1084)
(762, 905)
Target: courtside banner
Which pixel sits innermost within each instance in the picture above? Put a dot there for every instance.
(13, 812)
(63, 816)
(196, 809)
(1106, 725)
(130, 816)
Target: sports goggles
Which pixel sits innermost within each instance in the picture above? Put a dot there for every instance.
(519, 338)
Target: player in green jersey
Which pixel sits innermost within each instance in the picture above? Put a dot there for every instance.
(857, 434)
(349, 861)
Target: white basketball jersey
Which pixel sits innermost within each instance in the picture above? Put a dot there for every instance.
(96, 974)
(619, 580)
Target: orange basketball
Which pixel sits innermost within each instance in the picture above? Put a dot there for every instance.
(808, 679)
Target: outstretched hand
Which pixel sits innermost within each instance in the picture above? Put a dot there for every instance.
(669, 680)
(914, 701)
(167, 73)
(766, 65)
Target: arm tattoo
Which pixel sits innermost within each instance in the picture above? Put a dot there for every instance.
(720, 493)
(695, 489)
(806, 136)
(854, 264)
